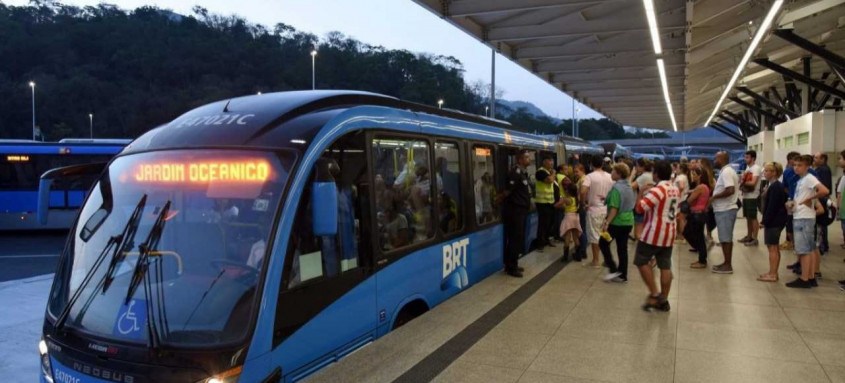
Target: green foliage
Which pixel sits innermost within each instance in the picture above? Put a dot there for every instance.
(135, 70)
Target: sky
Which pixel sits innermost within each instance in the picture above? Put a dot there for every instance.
(394, 24)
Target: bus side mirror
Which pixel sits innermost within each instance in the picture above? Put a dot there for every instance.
(324, 208)
(44, 186)
(45, 183)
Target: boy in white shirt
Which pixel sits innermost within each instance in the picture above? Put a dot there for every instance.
(804, 220)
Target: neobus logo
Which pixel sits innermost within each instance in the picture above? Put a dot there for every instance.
(110, 375)
(455, 265)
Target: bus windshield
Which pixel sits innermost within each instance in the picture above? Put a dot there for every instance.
(169, 247)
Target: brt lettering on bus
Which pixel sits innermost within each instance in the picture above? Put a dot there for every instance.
(454, 256)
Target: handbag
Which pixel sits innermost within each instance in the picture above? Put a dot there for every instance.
(685, 207)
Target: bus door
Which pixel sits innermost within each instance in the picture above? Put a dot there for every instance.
(327, 306)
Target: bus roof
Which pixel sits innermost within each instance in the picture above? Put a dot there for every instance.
(265, 120)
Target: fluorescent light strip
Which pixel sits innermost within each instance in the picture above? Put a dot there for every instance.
(652, 25)
(662, 69)
(655, 40)
(767, 22)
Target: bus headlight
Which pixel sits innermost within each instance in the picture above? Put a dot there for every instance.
(46, 369)
(229, 376)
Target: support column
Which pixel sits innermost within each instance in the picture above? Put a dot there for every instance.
(493, 83)
(805, 88)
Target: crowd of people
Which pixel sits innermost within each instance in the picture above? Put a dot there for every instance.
(660, 205)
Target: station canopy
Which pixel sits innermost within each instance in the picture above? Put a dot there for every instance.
(601, 53)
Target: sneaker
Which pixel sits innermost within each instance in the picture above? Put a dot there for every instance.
(814, 282)
(649, 305)
(619, 280)
(799, 284)
(514, 273)
(842, 282)
(752, 242)
(611, 276)
(793, 266)
(664, 306)
(744, 239)
(722, 269)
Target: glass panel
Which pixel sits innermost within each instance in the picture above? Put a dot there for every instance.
(403, 191)
(448, 163)
(180, 235)
(788, 141)
(484, 186)
(327, 256)
(804, 138)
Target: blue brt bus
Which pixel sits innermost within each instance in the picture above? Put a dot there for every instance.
(21, 164)
(261, 238)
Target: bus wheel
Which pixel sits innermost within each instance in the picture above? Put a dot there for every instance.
(411, 310)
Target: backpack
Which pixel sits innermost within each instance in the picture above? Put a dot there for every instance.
(828, 215)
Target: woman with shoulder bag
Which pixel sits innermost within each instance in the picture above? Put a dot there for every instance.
(698, 201)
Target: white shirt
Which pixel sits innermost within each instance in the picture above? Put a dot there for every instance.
(682, 183)
(727, 178)
(755, 171)
(598, 184)
(806, 189)
(643, 181)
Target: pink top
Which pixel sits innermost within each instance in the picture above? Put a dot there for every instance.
(700, 203)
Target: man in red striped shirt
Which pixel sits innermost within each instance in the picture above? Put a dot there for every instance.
(659, 206)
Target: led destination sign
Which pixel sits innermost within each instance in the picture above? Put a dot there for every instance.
(246, 171)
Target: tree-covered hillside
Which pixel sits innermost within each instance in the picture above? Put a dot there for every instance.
(137, 69)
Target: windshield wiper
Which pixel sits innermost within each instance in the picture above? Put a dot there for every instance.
(139, 275)
(127, 242)
(115, 242)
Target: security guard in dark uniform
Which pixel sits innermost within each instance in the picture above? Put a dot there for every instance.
(517, 202)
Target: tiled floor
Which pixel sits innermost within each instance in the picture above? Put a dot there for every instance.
(576, 328)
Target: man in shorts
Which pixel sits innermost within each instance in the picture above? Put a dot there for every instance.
(659, 206)
(750, 197)
(725, 208)
(594, 190)
(807, 191)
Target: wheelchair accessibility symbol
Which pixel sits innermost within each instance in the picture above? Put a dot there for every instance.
(131, 320)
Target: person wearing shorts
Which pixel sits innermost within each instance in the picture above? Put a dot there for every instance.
(774, 217)
(594, 191)
(724, 207)
(659, 206)
(750, 187)
(807, 191)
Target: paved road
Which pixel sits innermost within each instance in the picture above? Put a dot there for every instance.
(27, 254)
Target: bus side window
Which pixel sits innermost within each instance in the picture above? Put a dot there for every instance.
(403, 188)
(316, 256)
(448, 192)
(484, 184)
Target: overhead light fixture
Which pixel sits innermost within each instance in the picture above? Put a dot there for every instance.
(658, 50)
(761, 31)
(652, 25)
(662, 69)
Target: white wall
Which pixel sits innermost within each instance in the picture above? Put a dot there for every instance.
(764, 144)
(813, 132)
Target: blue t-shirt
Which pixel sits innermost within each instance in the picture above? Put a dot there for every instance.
(790, 180)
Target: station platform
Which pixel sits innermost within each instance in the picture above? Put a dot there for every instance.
(562, 323)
